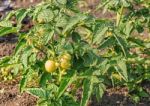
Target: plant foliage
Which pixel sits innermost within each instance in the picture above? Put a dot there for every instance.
(100, 49)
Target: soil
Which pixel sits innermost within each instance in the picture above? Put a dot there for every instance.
(6, 48)
(119, 97)
(10, 95)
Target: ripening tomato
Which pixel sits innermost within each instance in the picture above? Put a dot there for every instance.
(65, 64)
(67, 56)
(50, 66)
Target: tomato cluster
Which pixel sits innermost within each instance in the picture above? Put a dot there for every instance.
(63, 62)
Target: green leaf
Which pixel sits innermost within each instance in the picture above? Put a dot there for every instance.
(66, 82)
(123, 69)
(61, 22)
(87, 90)
(44, 78)
(135, 98)
(74, 21)
(129, 28)
(100, 90)
(100, 35)
(19, 46)
(147, 76)
(23, 83)
(48, 37)
(122, 44)
(26, 75)
(20, 15)
(25, 56)
(46, 15)
(4, 60)
(76, 37)
(143, 93)
(16, 70)
(107, 43)
(7, 30)
(39, 92)
(136, 41)
(62, 1)
(5, 24)
(90, 59)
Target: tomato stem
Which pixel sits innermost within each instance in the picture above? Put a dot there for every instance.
(59, 75)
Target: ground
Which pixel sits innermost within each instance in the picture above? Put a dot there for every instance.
(10, 96)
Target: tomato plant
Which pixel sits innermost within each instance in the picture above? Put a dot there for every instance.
(67, 47)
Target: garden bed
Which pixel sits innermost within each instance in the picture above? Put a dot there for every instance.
(10, 95)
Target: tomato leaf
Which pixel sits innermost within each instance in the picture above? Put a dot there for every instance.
(7, 30)
(122, 69)
(66, 82)
(87, 90)
(99, 91)
(44, 78)
(100, 35)
(46, 15)
(5, 24)
(74, 21)
(39, 92)
(25, 56)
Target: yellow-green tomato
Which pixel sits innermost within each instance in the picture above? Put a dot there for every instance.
(50, 66)
(65, 64)
(67, 56)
